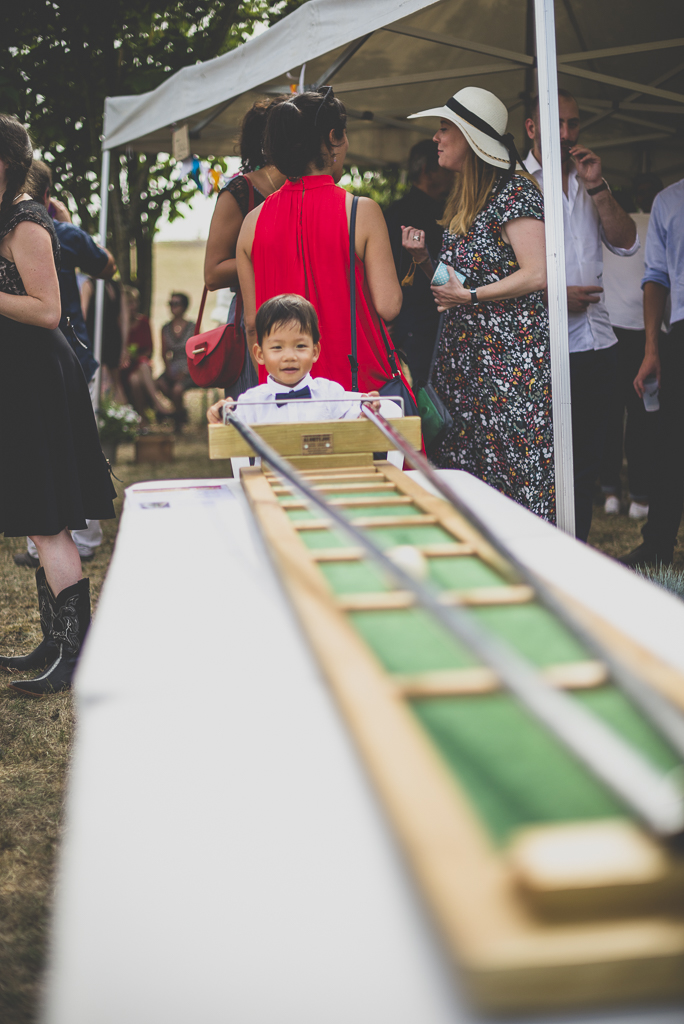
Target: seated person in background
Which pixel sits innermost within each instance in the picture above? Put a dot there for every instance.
(136, 371)
(175, 380)
(288, 345)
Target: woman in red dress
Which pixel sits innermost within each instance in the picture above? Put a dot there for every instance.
(298, 241)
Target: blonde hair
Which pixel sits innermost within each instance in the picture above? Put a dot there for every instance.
(473, 185)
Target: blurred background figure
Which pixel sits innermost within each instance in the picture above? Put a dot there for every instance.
(115, 323)
(629, 426)
(415, 330)
(175, 380)
(136, 368)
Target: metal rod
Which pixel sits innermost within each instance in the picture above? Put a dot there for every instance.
(667, 718)
(338, 64)
(651, 795)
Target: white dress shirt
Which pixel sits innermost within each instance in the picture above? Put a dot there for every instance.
(583, 260)
(622, 282)
(259, 405)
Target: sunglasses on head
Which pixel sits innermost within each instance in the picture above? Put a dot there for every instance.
(326, 93)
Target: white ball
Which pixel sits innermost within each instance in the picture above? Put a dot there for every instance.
(410, 560)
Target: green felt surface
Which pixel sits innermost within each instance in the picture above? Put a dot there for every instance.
(384, 536)
(458, 573)
(513, 770)
(365, 493)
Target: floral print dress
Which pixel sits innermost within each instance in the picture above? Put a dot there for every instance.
(493, 368)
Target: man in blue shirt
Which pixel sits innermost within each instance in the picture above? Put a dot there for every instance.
(664, 356)
(77, 249)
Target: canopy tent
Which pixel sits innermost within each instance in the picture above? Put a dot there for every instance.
(388, 58)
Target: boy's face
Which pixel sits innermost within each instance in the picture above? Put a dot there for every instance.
(287, 353)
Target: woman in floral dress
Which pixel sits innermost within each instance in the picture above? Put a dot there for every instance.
(492, 367)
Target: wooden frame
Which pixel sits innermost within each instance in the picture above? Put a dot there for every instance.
(496, 913)
(321, 439)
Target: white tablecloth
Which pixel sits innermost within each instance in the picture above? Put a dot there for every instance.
(226, 860)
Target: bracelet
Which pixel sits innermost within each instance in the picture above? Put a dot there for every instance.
(419, 263)
(473, 297)
(603, 187)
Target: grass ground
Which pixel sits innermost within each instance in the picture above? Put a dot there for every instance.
(35, 736)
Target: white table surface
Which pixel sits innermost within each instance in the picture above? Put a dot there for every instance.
(226, 860)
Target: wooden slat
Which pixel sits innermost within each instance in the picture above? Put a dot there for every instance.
(356, 554)
(477, 597)
(289, 439)
(351, 502)
(578, 675)
(365, 522)
(372, 485)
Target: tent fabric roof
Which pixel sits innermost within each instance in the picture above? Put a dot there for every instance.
(413, 54)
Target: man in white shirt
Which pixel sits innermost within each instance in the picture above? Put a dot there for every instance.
(591, 216)
(625, 305)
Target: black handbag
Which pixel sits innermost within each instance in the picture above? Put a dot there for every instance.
(436, 420)
(395, 387)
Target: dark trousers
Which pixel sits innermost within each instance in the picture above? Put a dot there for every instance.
(592, 379)
(667, 492)
(638, 437)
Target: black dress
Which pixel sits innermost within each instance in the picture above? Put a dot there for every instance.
(52, 471)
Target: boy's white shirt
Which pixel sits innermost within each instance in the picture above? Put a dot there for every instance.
(302, 410)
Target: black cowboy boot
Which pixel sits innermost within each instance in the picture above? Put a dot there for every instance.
(70, 621)
(47, 650)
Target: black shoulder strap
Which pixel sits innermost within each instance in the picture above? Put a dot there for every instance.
(353, 361)
(434, 351)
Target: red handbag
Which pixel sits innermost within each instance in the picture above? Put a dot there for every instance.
(216, 358)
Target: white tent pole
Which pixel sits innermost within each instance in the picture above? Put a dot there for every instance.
(547, 75)
(99, 284)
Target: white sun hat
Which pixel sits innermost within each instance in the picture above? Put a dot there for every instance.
(482, 118)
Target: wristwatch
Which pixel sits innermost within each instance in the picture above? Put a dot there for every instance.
(473, 297)
(603, 187)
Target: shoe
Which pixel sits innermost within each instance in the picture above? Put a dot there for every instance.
(47, 650)
(642, 556)
(70, 621)
(638, 511)
(612, 505)
(25, 559)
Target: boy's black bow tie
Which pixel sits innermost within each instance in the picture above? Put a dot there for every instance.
(289, 396)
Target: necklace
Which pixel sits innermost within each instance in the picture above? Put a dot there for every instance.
(270, 179)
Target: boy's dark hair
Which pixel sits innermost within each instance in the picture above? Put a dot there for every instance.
(39, 180)
(183, 298)
(423, 157)
(287, 309)
(298, 129)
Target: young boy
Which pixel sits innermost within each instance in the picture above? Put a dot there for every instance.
(288, 346)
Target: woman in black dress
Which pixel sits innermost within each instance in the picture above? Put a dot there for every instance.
(53, 475)
(232, 206)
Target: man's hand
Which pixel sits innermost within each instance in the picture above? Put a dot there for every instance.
(59, 211)
(580, 296)
(588, 166)
(650, 364)
(214, 413)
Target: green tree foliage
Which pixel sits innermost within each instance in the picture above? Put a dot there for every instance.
(383, 186)
(63, 57)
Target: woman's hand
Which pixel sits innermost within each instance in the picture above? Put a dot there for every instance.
(215, 412)
(413, 240)
(452, 294)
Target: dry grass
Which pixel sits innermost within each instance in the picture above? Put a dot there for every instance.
(35, 736)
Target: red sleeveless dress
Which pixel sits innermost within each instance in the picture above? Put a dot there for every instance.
(301, 245)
